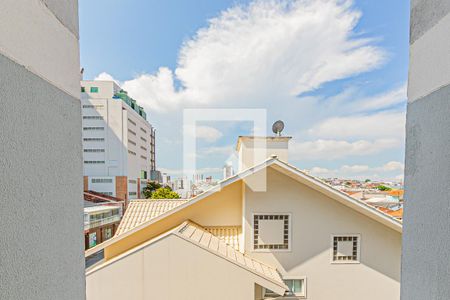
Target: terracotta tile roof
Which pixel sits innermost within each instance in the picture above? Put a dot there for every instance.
(398, 214)
(229, 234)
(200, 236)
(140, 211)
(398, 193)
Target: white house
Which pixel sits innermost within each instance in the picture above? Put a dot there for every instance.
(298, 238)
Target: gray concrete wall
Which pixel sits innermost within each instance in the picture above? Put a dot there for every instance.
(426, 231)
(41, 208)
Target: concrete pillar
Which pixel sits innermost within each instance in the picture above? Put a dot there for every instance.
(426, 235)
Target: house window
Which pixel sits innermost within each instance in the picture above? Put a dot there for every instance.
(143, 174)
(94, 89)
(92, 239)
(107, 233)
(94, 150)
(131, 121)
(132, 193)
(94, 139)
(101, 180)
(93, 128)
(132, 132)
(296, 285)
(346, 248)
(83, 89)
(131, 152)
(271, 232)
(92, 117)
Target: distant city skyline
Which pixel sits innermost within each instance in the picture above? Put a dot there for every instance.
(337, 75)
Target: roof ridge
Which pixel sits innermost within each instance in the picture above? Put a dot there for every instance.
(333, 193)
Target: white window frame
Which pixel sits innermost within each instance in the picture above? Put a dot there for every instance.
(358, 254)
(289, 232)
(302, 295)
(298, 295)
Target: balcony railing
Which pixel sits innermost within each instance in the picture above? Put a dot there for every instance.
(101, 222)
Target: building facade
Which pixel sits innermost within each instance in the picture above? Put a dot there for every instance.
(118, 141)
(41, 203)
(100, 223)
(426, 242)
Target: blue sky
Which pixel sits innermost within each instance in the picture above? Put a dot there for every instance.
(334, 72)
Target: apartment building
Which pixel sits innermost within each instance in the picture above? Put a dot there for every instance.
(100, 222)
(41, 204)
(118, 141)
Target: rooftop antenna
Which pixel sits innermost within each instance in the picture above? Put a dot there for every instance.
(278, 127)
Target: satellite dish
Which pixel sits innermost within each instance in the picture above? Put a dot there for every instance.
(278, 127)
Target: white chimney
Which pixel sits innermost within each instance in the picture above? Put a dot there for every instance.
(253, 150)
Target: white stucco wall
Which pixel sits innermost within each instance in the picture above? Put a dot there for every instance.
(41, 206)
(314, 218)
(171, 269)
(426, 239)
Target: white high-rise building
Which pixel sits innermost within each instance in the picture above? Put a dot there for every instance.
(118, 141)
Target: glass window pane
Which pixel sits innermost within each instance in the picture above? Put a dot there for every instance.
(297, 287)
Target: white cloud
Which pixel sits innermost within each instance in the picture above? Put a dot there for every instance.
(264, 55)
(382, 101)
(156, 92)
(393, 166)
(379, 125)
(336, 149)
(354, 168)
(218, 150)
(259, 52)
(207, 133)
(386, 171)
(320, 171)
(104, 76)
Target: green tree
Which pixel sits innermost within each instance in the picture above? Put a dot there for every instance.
(164, 193)
(383, 188)
(151, 187)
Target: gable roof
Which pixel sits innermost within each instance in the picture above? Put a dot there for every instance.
(195, 234)
(286, 169)
(143, 210)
